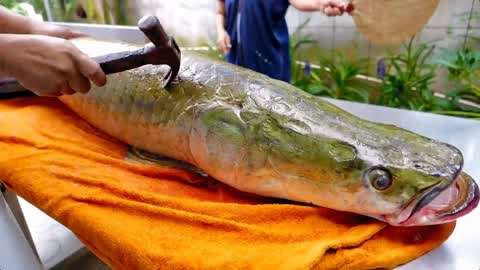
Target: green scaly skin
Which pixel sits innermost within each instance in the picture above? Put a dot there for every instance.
(267, 137)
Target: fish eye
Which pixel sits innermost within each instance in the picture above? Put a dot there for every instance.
(379, 178)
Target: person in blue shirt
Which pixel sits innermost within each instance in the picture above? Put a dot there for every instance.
(254, 33)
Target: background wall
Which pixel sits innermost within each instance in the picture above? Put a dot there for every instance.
(194, 22)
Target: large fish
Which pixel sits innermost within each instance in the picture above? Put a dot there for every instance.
(267, 137)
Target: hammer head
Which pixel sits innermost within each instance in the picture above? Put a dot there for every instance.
(163, 50)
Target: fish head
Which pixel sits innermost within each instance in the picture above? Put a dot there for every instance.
(406, 179)
(372, 169)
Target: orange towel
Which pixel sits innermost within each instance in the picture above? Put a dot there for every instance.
(144, 216)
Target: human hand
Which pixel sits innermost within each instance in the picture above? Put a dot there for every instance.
(223, 41)
(55, 31)
(48, 66)
(332, 7)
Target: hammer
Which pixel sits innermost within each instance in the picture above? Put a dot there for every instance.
(163, 50)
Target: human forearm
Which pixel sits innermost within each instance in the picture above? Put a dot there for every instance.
(220, 17)
(329, 7)
(223, 39)
(306, 5)
(11, 23)
(220, 23)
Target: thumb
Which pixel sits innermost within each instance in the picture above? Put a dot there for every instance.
(228, 41)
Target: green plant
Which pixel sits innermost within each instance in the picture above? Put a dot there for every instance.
(8, 3)
(470, 17)
(462, 65)
(120, 11)
(13, 4)
(340, 78)
(296, 42)
(463, 68)
(459, 113)
(407, 78)
(308, 79)
(408, 83)
(336, 78)
(92, 11)
(64, 10)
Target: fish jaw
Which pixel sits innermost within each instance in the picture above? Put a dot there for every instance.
(458, 199)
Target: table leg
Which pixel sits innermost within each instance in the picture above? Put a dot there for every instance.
(14, 204)
(15, 252)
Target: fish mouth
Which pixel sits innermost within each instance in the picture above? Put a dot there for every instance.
(442, 204)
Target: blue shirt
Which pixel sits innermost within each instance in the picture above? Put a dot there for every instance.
(259, 36)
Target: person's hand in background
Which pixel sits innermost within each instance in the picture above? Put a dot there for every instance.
(329, 7)
(332, 7)
(223, 41)
(48, 66)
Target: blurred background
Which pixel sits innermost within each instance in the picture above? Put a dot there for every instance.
(437, 71)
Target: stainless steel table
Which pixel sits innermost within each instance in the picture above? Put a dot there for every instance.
(15, 251)
(462, 249)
